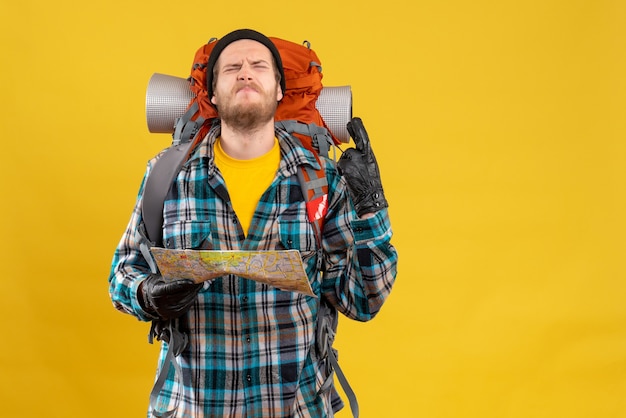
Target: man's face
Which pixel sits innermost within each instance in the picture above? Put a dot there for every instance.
(246, 90)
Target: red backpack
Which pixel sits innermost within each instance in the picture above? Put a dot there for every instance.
(303, 85)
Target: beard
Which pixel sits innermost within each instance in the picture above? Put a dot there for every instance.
(248, 116)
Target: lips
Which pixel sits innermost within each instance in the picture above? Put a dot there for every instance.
(248, 87)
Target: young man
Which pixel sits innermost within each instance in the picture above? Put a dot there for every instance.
(252, 349)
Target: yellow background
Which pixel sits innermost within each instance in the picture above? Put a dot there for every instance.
(499, 127)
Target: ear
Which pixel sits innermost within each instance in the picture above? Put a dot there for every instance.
(213, 100)
(279, 93)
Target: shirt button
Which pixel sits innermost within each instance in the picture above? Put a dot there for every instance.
(248, 340)
(248, 378)
(244, 299)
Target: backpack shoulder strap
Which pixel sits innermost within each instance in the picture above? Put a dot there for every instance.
(314, 187)
(157, 186)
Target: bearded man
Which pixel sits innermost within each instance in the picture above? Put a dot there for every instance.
(252, 349)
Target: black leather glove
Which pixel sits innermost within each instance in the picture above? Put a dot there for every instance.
(167, 299)
(359, 168)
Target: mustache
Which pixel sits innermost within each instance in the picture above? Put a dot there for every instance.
(247, 84)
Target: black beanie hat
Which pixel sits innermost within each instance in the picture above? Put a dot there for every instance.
(236, 36)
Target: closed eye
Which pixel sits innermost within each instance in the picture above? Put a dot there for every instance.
(260, 64)
(231, 68)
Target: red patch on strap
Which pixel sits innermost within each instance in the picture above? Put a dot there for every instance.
(317, 208)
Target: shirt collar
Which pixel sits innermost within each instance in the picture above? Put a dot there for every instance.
(293, 153)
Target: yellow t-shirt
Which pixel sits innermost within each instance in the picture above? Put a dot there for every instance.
(247, 180)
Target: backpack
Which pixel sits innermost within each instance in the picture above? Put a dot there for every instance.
(297, 114)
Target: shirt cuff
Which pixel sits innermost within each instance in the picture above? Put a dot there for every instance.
(377, 227)
(141, 313)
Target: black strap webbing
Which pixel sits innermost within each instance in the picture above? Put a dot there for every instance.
(326, 328)
(354, 405)
(176, 343)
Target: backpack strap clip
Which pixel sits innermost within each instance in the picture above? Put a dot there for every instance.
(186, 129)
(320, 137)
(144, 247)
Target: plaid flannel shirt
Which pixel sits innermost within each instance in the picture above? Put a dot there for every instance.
(251, 351)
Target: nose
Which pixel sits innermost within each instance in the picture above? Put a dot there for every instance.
(244, 73)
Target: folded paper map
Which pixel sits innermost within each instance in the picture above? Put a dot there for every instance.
(281, 269)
